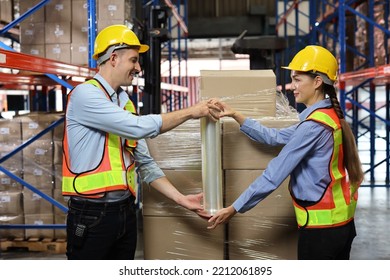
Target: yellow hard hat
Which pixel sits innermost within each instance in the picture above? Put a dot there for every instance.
(316, 59)
(116, 35)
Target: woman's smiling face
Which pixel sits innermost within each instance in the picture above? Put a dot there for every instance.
(304, 87)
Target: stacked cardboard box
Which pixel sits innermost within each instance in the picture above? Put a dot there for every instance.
(35, 165)
(11, 202)
(59, 30)
(6, 10)
(361, 35)
(266, 232)
(178, 153)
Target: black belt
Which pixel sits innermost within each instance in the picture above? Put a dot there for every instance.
(84, 204)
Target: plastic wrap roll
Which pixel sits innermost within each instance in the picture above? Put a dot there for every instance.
(211, 165)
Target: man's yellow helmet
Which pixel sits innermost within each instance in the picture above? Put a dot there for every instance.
(116, 35)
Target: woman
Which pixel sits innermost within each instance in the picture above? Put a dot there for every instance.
(320, 156)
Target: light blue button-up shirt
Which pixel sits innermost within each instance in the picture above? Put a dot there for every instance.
(90, 114)
(305, 157)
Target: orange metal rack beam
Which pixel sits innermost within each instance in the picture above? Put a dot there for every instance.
(380, 74)
(21, 61)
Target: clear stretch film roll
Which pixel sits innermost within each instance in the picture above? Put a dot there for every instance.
(211, 165)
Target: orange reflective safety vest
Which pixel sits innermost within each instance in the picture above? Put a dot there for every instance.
(111, 173)
(338, 203)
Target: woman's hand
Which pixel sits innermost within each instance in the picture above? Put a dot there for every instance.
(222, 217)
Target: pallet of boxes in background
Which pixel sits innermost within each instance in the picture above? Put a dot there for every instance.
(39, 165)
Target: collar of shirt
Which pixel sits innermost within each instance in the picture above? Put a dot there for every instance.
(320, 104)
(109, 89)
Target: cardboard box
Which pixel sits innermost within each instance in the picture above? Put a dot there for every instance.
(103, 23)
(252, 92)
(38, 152)
(111, 10)
(11, 220)
(156, 204)
(80, 13)
(9, 184)
(277, 204)
(58, 11)
(39, 220)
(79, 53)
(10, 130)
(241, 152)
(31, 32)
(33, 203)
(11, 203)
(59, 52)
(34, 124)
(40, 176)
(58, 33)
(14, 162)
(179, 148)
(37, 49)
(80, 34)
(267, 231)
(6, 10)
(264, 238)
(181, 238)
(37, 16)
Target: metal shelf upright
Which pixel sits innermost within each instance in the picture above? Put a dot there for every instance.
(364, 76)
(173, 49)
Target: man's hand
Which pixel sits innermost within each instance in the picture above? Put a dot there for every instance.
(206, 108)
(192, 201)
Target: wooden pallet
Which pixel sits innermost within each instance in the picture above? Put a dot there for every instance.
(35, 245)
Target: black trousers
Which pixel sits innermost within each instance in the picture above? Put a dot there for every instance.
(101, 231)
(326, 243)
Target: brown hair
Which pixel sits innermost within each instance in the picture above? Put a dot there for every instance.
(351, 157)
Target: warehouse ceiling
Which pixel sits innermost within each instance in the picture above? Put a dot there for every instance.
(214, 25)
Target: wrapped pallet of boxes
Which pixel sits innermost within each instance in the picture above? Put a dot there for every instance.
(179, 153)
(11, 202)
(171, 231)
(38, 171)
(267, 231)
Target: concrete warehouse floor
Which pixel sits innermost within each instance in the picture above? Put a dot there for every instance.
(371, 243)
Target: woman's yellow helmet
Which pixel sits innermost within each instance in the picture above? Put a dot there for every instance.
(315, 59)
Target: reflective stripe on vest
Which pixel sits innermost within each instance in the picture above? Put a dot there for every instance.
(337, 206)
(111, 173)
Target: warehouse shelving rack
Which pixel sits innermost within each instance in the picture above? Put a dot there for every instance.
(52, 69)
(332, 24)
(43, 72)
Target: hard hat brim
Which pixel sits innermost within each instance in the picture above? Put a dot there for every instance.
(143, 48)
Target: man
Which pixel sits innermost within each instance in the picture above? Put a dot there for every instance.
(104, 142)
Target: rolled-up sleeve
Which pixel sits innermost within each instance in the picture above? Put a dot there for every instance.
(93, 109)
(147, 168)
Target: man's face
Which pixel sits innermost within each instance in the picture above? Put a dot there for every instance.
(126, 65)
